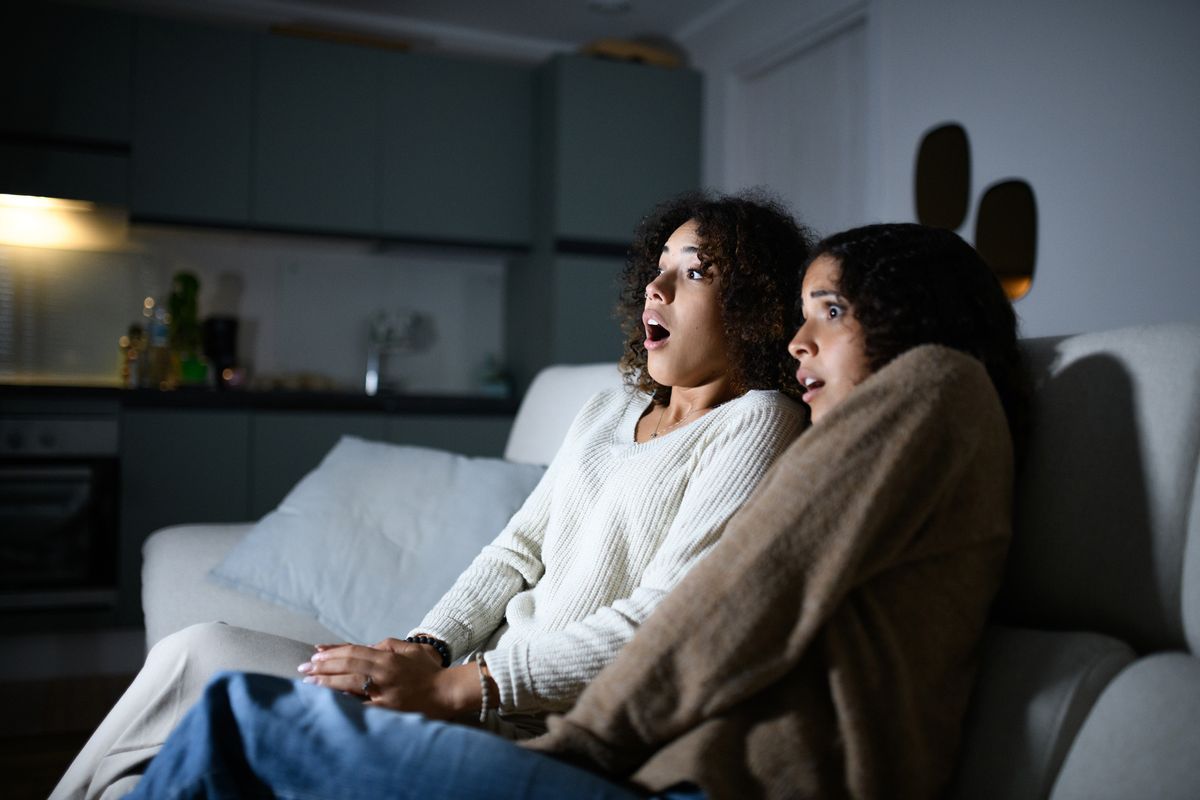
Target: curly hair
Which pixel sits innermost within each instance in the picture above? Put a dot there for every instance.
(758, 249)
(911, 284)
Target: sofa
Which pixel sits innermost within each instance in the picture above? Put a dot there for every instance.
(1089, 678)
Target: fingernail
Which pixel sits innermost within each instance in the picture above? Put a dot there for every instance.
(318, 656)
(305, 667)
(309, 679)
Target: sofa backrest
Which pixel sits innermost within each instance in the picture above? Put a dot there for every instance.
(550, 405)
(1079, 694)
(1107, 527)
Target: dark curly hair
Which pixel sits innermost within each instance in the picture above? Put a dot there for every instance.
(758, 249)
(910, 284)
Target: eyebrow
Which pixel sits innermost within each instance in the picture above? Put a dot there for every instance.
(687, 248)
(817, 293)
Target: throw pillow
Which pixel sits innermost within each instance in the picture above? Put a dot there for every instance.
(371, 539)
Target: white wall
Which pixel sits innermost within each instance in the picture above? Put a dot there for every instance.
(786, 89)
(1093, 103)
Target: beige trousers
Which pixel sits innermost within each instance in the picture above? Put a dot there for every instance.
(172, 679)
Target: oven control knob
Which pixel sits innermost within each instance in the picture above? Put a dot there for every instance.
(47, 440)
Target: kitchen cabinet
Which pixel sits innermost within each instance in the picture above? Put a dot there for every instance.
(621, 137)
(67, 73)
(480, 436)
(176, 467)
(410, 146)
(65, 103)
(614, 139)
(574, 297)
(285, 446)
(457, 149)
(193, 122)
(316, 136)
(53, 170)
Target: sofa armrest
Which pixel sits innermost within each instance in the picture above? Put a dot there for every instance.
(176, 592)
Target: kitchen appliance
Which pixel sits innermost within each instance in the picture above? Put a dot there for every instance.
(219, 335)
(58, 508)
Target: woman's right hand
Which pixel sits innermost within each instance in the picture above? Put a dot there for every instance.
(403, 676)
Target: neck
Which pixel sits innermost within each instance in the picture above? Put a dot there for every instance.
(690, 399)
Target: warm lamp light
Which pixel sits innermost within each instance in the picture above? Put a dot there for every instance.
(61, 224)
(1016, 287)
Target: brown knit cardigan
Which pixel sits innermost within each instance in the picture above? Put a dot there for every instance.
(825, 648)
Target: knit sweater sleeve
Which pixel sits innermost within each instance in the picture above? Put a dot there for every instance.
(549, 671)
(474, 606)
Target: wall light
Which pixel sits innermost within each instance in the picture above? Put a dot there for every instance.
(52, 222)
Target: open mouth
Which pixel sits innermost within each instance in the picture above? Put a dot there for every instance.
(809, 383)
(656, 331)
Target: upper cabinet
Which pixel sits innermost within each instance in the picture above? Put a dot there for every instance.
(193, 123)
(67, 73)
(65, 102)
(457, 150)
(188, 123)
(316, 124)
(621, 138)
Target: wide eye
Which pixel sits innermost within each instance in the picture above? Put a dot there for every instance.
(695, 274)
(833, 311)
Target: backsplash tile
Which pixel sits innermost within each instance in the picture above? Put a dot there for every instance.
(303, 304)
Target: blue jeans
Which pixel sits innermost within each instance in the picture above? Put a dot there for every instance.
(258, 736)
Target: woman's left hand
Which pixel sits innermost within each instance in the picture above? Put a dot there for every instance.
(403, 676)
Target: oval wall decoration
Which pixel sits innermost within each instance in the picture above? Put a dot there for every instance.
(943, 177)
(1006, 234)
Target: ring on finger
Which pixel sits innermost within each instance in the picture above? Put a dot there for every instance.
(367, 685)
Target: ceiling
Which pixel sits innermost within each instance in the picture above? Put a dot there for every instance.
(517, 28)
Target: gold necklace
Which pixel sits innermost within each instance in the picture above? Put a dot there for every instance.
(673, 425)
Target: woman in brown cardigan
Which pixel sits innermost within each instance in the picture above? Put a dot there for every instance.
(824, 648)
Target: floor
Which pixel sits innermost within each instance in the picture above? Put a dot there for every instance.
(45, 723)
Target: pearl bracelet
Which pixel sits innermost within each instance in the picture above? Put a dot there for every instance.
(485, 702)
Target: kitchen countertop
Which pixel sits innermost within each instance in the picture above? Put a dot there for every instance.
(275, 400)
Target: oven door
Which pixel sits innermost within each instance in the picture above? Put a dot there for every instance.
(58, 533)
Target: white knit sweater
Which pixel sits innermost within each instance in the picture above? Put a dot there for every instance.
(610, 529)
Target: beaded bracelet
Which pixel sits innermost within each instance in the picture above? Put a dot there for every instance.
(484, 702)
(436, 644)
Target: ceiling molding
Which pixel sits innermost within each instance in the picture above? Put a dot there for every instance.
(710, 17)
(423, 33)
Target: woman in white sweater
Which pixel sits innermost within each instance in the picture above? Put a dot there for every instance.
(640, 490)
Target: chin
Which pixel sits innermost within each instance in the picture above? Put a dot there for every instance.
(661, 376)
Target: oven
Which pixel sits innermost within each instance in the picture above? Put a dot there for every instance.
(58, 509)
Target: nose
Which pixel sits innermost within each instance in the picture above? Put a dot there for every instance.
(661, 289)
(802, 344)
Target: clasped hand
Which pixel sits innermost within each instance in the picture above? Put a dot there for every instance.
(403, 676)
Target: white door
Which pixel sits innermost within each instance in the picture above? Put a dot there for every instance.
(796, 125)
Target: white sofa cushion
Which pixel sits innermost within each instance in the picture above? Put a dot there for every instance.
(176, 590)
(1031, 696)
(1141, 738)
(369, 540)
(551, 403)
